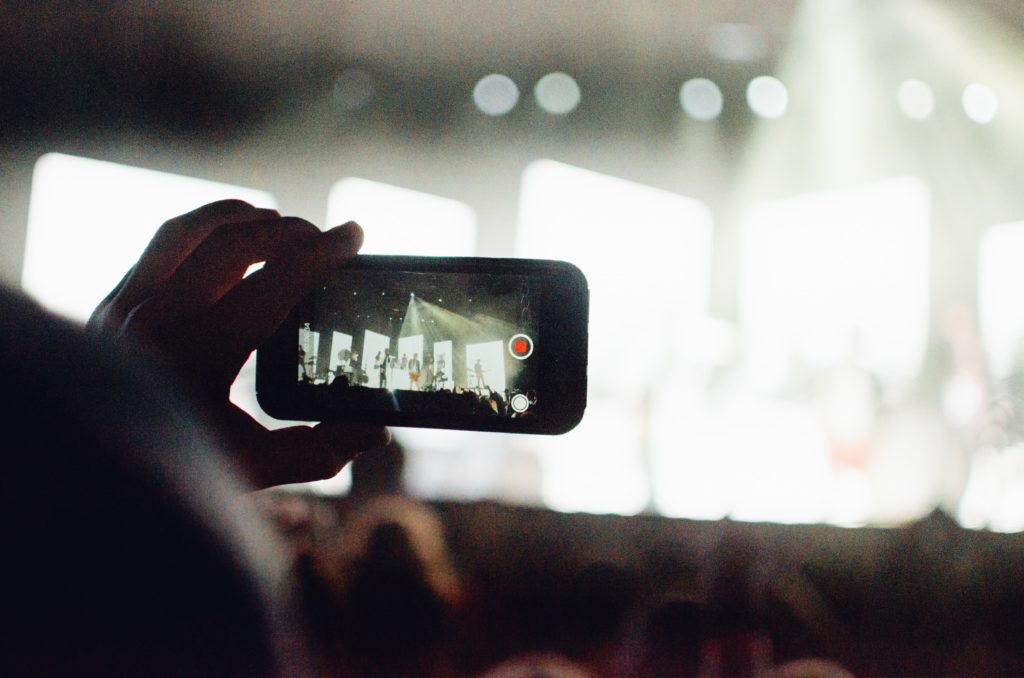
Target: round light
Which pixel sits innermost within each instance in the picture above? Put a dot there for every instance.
(557, 93)
(353, 89)
(767, 97)
(496, 94)
(701, 99)
(916, 99)
(980, 103)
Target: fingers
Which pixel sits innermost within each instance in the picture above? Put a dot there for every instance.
(175, 240)
(100, 319)
(180, 236)
(255, 307)
(215, 340)
(220, 261)
(302, 453)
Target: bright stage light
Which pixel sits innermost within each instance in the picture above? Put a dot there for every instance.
(90, 220)
(916, 99)
(402, 221)
(994, 496)
(496, 94)
(767, 97)
(644, 251)
(596, 467)
(1000, 313)
(980, 103)
(701, 99)
(557, 93)
(834, 285)
(866, 251)
(664, 253)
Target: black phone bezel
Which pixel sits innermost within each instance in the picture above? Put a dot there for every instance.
(561, 350)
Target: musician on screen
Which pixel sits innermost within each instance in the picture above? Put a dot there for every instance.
(478, 370)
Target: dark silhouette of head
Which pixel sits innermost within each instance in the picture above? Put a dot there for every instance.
(125, 549)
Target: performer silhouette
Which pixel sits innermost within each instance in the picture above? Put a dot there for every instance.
(428, 375)
(414, 372)
(385, 359)
(478, 370)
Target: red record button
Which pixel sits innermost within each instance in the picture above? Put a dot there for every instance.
(520, 347)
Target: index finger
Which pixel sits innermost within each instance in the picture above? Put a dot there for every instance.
(252, 310)
(172, 244)
(177, 238)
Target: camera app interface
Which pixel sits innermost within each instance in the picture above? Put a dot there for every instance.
(451, 343)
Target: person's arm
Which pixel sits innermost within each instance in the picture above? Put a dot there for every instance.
(187, 297)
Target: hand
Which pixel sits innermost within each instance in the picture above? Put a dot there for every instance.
(187, 297)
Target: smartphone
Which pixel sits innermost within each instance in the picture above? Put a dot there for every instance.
(436, 342)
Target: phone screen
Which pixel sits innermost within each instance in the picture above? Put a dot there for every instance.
(471, 343)
(451, 342)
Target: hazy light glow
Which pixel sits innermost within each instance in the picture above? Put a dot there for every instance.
(980, 499)
(994, 496)
(1000, 313)
(89, 221)
(696, 470)
(736, 42)
(496, 94)
(834, 307)
(557, 93)
(615, 231)
(866, 249)
(916, 99)
(863, 321)
(597, 467)
(780, 464)
(980, 103)
(701, 99)
(353, 89)
(767, 97)
(464, 465)
(402, 221)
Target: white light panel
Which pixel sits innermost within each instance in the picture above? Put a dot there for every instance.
(1000, 313)
(819, 273)
(89, 221)
(647, 257)
(401, 221)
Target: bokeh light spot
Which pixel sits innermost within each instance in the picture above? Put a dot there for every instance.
(557, 93)
(980, 103)
(701, 99)
(496, 94)
(767, 97)
(916, 99)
